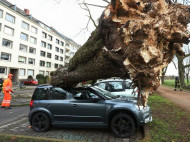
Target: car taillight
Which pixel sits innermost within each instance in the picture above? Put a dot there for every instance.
(31, 102)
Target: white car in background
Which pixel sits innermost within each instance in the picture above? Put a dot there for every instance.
(118, 87)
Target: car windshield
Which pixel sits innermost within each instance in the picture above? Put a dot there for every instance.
(104, 93)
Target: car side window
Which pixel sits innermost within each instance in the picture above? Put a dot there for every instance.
(92, 95)
(40, 94)
(57, 93)
(81, 95)
(115, 86)
(102, 85)
(128, 85)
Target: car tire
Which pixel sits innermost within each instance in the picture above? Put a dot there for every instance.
(122, 125)
(40, 122)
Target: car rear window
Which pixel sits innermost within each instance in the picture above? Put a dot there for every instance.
(40, 94)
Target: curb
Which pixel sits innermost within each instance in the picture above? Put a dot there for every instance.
(20, 105)
(147, 136)
(36, 138)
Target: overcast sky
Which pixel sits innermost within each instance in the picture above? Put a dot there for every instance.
(64, 15)
(68, 18)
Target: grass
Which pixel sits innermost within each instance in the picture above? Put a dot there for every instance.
(171, 83)
(170, 123)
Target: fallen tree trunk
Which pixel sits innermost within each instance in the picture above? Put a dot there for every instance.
(134, 39)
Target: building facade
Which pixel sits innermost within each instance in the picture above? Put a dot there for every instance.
(28, 46)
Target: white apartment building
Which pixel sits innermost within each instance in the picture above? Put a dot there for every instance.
(28, 46)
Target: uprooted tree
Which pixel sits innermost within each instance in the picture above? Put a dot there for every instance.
(134, 39)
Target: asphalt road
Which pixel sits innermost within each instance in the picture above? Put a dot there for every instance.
(8, 115)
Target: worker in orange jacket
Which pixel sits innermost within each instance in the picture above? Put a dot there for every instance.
(7, 84)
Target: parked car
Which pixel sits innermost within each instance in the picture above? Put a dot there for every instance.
(31, 82)
(118, 87)
(85, 107)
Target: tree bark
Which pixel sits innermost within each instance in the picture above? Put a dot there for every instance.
(134, 38)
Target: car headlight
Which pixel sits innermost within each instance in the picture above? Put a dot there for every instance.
(139, 107)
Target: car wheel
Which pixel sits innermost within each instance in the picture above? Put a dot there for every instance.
(40, 122)
(122, 125)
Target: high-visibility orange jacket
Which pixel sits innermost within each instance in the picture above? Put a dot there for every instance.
(7, 84)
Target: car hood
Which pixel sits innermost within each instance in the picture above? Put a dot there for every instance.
(126, 100)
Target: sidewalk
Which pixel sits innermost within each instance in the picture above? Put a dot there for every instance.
(181, 98)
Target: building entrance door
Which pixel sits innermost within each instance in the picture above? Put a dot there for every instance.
(14, 72)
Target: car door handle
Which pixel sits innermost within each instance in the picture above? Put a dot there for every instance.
(74, 105)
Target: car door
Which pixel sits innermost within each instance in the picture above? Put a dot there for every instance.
(83, 109)
(59, 104)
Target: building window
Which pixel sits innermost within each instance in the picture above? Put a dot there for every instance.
(22, 72)
(7, 43)
(50, 38)
(10, 18)
(8, 30)
(57, 41)
(5, 56)
(41, 72)
(24, 36)
(32, 50)
(47, 73)
(31, 61)
(49, 46)
(33, 40)
(30, 72)
(44, 35)
(3, 70)
(60, 65)
(56, 49)
(62, 43)
(23, 48)
(56, 57)
(56, 66)
(49, 55)
(34, 30)
(42, 63)
(42, 53)
(25, 25)
(1, 13)
(43, 44)
(61, 51)
(67, 45)
(22, 59)
(48, 64)
(61, 58)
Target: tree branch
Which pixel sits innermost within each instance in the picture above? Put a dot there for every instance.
(186, 66)
(90, 15)
(187, 55)
(93, 5)
(174, 65)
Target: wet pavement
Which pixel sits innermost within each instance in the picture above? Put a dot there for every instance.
(21, 127)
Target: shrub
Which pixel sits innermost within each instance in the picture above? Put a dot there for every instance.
(40, 78)
(30, 77)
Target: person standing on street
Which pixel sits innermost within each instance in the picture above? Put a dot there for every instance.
(7, 95)
(1, 84)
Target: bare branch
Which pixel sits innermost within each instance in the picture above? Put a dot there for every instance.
(187, 55)
(186, 66)
(174, 65)
(90, 15)
(93, 5)
(106, 1)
